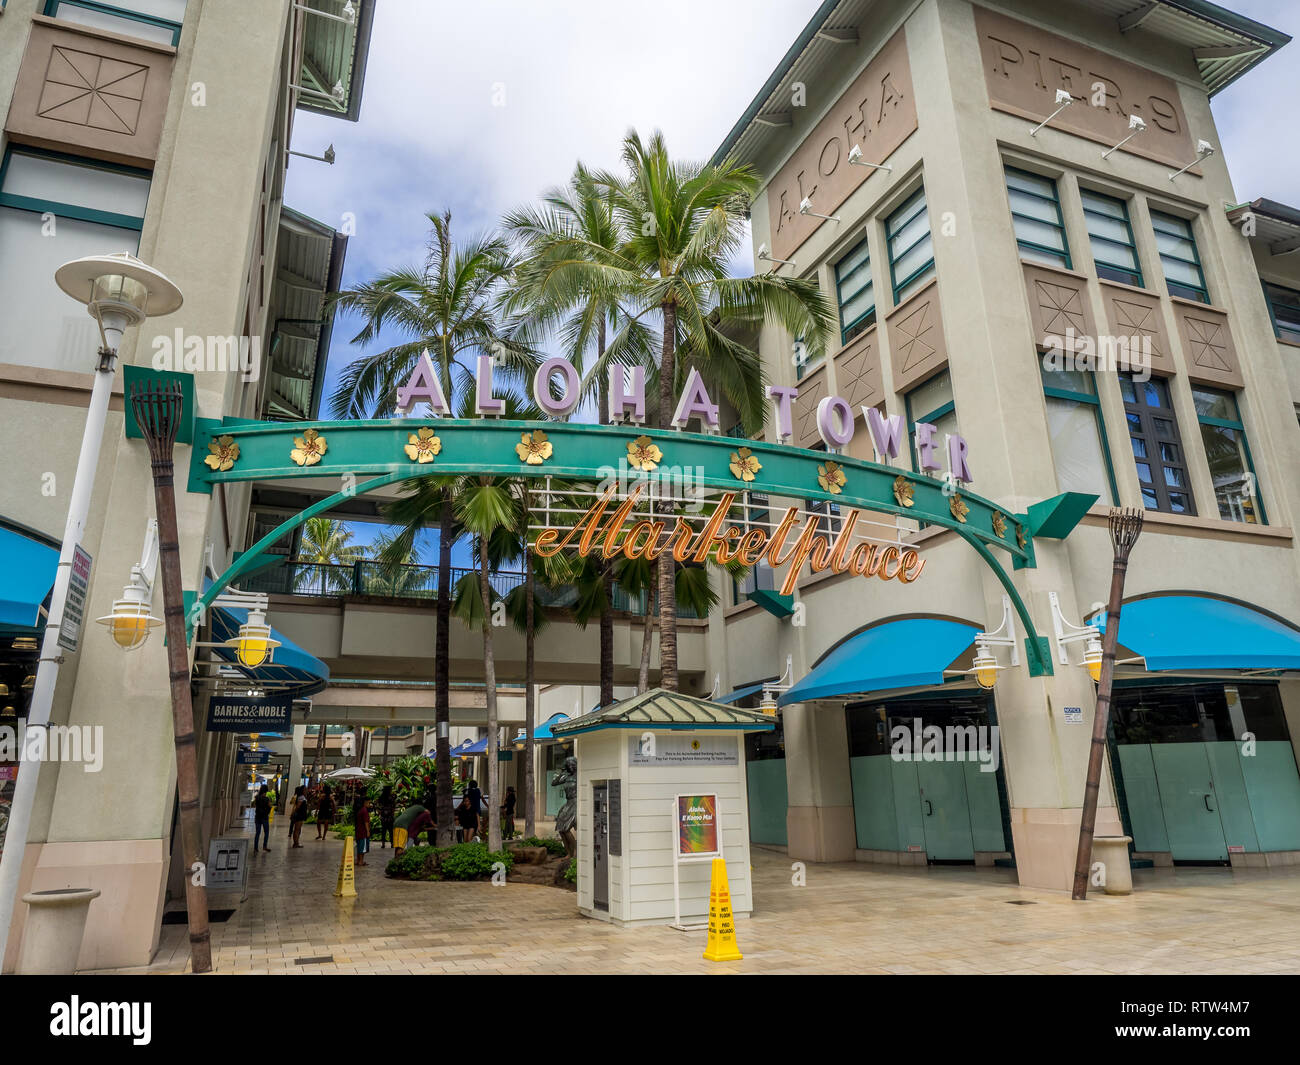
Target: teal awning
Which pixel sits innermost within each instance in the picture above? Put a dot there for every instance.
(1197, 632)
(543, 731)
(27, 569)
(737, 694)
(908, 653)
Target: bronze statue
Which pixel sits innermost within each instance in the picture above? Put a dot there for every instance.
(567, 818)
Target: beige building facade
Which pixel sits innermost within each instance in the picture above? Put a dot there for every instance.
(975, 237)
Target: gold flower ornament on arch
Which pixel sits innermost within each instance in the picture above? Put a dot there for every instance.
(644, 454)
(831, 478)
(224, 454)
(308, 448)
(533, 448)
(744, 464)
(423, 445)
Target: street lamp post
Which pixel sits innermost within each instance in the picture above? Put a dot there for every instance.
(119, 291)
(1125, 528)
(157, 409)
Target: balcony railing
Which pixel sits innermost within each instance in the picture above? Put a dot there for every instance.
(370, 578)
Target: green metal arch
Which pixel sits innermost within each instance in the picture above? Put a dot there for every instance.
(584, 452)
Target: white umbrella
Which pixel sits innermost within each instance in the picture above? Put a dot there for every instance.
(348, 773)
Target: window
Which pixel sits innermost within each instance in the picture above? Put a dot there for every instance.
(1231, 470)
(150, 20)
(1284, 309)
(1178, 256)
(1111, 236)
(911, 251)
(931, 402)
(1036, 218)
(54, 208)
(1157, 447)
(854, 290)
(1078, 434)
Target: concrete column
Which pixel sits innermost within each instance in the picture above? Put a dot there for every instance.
(295, 755)
(819, 819)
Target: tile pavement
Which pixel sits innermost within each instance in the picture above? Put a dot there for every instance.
(848, 918)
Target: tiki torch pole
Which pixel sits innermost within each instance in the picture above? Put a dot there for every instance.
(1125, 527)
(157, 409)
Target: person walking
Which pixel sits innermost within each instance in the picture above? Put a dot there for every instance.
(262, 820)
(324, 813)
(387, 813)
(362, 830)
(475, 796)
(297, 814)
(508, 813)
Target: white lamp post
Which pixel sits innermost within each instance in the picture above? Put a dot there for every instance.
(119, 291)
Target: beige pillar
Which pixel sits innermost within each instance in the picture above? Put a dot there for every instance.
(819, 819)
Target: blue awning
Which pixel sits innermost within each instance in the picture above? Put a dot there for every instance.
(737, 694)
(27, 570)
(461, 748)
(908, 653)
(291, 670)
(543, 731)
(476, 747)
(1197, 632)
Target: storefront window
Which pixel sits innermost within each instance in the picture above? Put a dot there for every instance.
(150, 20)
(1226, 451)
(1198, 713)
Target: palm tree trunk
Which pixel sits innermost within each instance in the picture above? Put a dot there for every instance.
(607, 577)
(667, 589)
(442, 680)
(647, 638)
(607, 640)
(490, 684)
(530, 670)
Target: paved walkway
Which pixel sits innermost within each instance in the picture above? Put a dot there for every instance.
(848, 918)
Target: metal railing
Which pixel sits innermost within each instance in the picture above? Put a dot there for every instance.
(370, 578)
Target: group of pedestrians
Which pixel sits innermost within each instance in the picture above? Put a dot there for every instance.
(414, 819)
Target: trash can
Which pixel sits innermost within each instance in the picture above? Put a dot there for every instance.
(56, 921)
(1112, 852)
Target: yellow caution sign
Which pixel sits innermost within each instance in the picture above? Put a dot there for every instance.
(347, 886)
(722, 925)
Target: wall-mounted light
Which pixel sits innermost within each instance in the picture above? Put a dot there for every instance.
(327, 157)
(1204, 149)
(1063, 100)
(985, 665)
(521, 738)
(1136, 126)
(767, 257)
(131, 619)
(1067, 633)
(855, 159)
(253, 646)
(805, 207)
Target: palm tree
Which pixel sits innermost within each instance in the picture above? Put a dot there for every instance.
(325, 545)
(398, 574)
(490, 510)
(681, 224)
(447, 307)
(577, 223)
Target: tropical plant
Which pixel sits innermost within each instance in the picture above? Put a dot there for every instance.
(446, 307)
(395, 572)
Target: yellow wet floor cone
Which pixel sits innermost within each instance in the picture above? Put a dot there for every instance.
(347, 886)
(722, 925)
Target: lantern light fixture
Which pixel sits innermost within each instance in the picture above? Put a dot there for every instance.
(985, 665)
(254, 646)
(131, 619)
(1066, 633)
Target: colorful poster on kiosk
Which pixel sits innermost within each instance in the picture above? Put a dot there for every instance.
(697, 826)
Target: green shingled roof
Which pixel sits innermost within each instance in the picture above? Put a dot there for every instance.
(658, 708)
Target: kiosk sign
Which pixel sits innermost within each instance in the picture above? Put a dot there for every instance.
(697, 826)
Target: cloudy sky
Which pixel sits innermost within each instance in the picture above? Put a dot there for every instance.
(478, 107)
